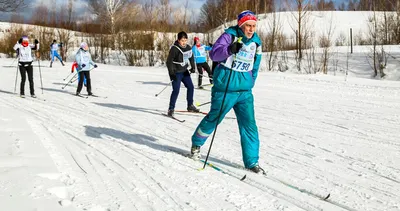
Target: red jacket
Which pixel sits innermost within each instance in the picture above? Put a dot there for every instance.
(74, 66)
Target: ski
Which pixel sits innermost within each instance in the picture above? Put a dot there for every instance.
(80, 96)
(247, 179)
(183, 111)
(205, 85)
(34, 98)
(172, 117)
(187, 155)
(97, 96)
(209, 90)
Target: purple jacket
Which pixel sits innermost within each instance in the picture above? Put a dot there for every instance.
(220, 51)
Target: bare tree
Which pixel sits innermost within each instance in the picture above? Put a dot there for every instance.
(301, 15)
(11, 5)
(326, 43)
(107, 10)
(275, 30)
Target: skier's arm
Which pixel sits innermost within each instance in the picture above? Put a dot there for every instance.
(16, 46)
(78, 58)
(170, 59)
(220, 50)
(191, 60)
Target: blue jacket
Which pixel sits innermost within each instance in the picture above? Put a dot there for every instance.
(244, 65)
(200, 53)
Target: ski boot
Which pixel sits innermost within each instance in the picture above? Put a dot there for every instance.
(170, 112)
(257, 169)
(195, 153)
(193, 109)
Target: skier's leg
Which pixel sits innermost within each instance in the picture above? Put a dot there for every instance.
(22, 71)
(176, 85)
(58, 57)
(29, 70)
(208, 70)
(244, 110)
(187, 81)
(80, 83)
(88, 82)
(207, 125)
(200, 70)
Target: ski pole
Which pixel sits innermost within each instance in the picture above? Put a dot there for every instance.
(74, 79)
(199, 105)
(16, 78)
(67, 76)
(69, 81)
(13, 62)
(164, 88)
(220, 112)
(40, 73)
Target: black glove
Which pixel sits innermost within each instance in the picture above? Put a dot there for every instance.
(172, 77)
(209, 44)
(192, 70)
(20, 41)
(83, 65)
(36, 41)
(235, 47)
(95, 66)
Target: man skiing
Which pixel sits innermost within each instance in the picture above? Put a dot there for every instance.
(238, 51)
(53, 52)
(199, 51)
(85, 63)
(24, 52)
(178, 60)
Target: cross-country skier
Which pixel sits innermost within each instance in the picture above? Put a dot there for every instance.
(53, 52)
(85, 64)
(24, 52)
(178, 60)
(199, 52)
(241, 59)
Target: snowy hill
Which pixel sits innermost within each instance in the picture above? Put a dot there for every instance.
(318, 133)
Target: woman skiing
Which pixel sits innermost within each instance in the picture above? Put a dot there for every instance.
(85, 64)
(25, 60)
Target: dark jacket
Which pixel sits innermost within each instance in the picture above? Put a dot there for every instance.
(175, 61)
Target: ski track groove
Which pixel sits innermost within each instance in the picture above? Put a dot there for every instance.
(344, 131)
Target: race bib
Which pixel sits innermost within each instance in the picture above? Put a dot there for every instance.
(186, 56)
(243, 61)
(202, 51)
(25, 54)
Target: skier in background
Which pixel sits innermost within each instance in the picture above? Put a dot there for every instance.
(85, 64)
(199, 52)
(24, 52)
(239, 52)
(53, 52)
(179, 56)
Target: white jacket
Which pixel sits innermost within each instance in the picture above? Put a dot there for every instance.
(25, 53)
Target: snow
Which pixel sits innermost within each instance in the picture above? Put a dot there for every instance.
(321, 133)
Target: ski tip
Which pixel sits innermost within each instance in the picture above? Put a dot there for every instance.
(243, 178)
(327, 196)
